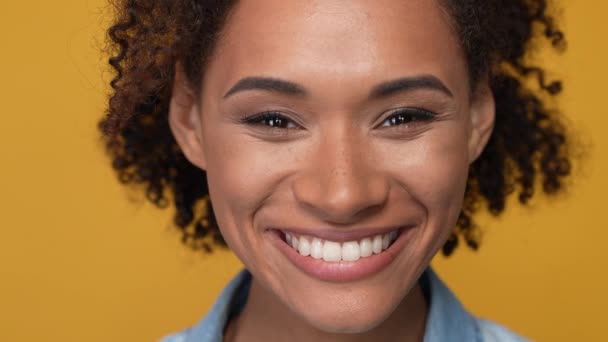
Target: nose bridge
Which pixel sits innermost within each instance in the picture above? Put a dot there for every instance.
(341, 182)
(341, 163)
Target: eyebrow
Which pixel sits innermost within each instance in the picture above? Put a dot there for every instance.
(267, 83)
(381, 90)
(389, 88)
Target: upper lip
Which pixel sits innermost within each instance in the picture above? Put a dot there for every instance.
(345, 235)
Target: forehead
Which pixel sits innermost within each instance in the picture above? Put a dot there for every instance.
(344, 41)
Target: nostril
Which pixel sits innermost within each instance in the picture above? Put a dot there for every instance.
(345, 198)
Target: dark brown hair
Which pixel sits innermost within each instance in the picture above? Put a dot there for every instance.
(148, 37)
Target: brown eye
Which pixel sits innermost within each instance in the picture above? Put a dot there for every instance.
(272, 120)
(408, 116)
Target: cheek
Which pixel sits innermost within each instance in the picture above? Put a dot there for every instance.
(441, 174)
(241, 173)
(241, 169)
(232, 178)
(434, 170)
(441, 186)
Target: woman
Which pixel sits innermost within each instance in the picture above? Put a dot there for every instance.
(341, 144)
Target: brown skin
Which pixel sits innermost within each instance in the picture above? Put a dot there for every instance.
(341, 164)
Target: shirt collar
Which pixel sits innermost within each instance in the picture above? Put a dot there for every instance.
(447, 319)
(230, 301)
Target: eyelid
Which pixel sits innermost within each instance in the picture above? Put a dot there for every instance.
(418, 110)
(256, 118)
(422, 115)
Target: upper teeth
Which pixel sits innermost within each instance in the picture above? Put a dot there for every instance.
(335, 251)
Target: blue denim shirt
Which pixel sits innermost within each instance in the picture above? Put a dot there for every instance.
(447, 321)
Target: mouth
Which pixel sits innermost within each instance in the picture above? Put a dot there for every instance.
(334, 251)
(339, 259)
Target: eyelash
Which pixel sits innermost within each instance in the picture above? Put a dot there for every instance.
(258, 118)
(409, 116)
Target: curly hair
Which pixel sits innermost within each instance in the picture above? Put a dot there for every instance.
(147, 38)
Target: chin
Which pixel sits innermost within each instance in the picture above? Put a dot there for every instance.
(347, 324)
(347, 316)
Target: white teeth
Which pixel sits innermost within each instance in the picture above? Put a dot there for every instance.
(332, 251)
(385, 241)
(316, 248)
(288, 238)
(377, 244)
(365, 247)
(350, 251)
(335, 251)
(294, 242)
(304, 246)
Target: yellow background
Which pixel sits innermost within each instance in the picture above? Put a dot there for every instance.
(84, 259)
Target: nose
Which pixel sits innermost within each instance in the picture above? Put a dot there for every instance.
(341, 183)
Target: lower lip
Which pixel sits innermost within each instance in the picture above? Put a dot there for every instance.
(341, 271)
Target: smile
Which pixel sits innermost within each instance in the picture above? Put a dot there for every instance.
(333, 251)
(341, 256)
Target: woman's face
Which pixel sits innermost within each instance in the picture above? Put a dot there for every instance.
(371, 128)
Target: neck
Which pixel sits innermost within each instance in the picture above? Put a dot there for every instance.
(406, 323)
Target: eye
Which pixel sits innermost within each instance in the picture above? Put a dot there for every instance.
(271, 120)
(401, 117)
(408, 117)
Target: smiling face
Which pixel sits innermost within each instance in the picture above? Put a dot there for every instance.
(368, 127)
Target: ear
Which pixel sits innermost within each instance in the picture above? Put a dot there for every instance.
(483, 116)
(185, 119)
